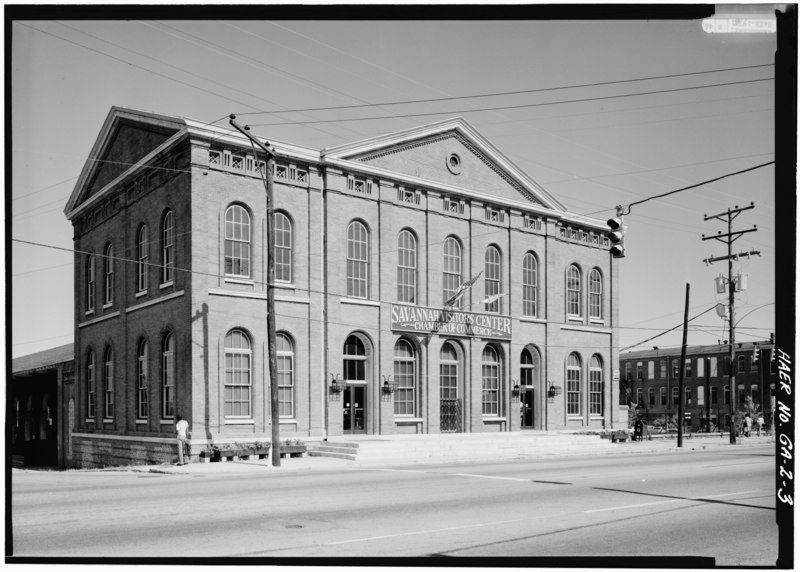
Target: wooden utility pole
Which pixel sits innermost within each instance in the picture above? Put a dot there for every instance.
(729, 238)
(273, 359)
(682, 365)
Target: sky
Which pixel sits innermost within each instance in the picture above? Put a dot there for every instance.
(610, 148)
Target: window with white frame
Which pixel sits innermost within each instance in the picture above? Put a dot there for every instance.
(238, 374)
(237, 242)
(701, 367)
(595, 295)
(108, 380)
(108, 286)
(142, 254)
(407, 267)
(451, 273)
(573, 384)
(167, 248)
(651, 397)
(284, 350)
(490, 381)
(663, 395)
(283, 247)
(492, 273)
(141, 379)
(168, 376)
(595, 385)
(405, 378)
(90, 385)
(354, 360)
(448, 372)
(357, 260)
(573, 291)
(529, 367)
(675, 395)
(530, 284)
(90, 283)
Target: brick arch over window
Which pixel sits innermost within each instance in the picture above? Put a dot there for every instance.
(238, 241)
(530, 365)
(238, 370)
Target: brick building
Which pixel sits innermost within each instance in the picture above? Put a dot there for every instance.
(650, 378)
(370, 240)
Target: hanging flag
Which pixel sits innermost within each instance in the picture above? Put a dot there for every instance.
(461, 289)
(490, 299)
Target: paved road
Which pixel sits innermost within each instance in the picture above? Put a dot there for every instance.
(717, 503)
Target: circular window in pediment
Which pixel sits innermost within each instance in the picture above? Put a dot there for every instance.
(454, 163)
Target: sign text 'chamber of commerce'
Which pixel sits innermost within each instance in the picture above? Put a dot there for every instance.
(449, 322)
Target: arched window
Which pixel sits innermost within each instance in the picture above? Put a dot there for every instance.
(283, 247)
(142, 379)
(168, 376)
(573, 384)
(285, 373)
(530, 285)
(405, 376)
(492, 272)
(355, 359)
(741, 362)
(237, 242)
(448, 372)
(451, 275)
(238, 374)
(90, 386)
(90, 283)
(406, 267)
(142, 249)
(108, 380)
(168, 248)
(595, 295)
(490, 381)
(108, 286)
(573, 291)
(596, 386)
(357, 260)
(529, 367)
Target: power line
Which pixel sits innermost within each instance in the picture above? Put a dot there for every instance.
(498, 94)
(667, 331)
(503, 107)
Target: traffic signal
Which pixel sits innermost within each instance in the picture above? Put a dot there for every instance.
(755, 355)
(617, 237)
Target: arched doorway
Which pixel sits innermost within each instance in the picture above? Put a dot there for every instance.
(450, 399)
(355, 364)
(529, 370)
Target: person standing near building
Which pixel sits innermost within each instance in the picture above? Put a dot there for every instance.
(181, 428)
(748, 423)
(760, 423)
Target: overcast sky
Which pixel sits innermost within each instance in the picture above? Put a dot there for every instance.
(591, 155)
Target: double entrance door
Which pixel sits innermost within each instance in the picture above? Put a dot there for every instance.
(354, 410)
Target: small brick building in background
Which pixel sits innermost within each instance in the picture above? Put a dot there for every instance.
(370, 239)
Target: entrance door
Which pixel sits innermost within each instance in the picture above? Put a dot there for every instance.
(354, 420)
(526, 413)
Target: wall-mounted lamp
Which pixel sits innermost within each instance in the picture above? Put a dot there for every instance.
(388, 387)
(515, 391)
(336, 387)
(553, 391)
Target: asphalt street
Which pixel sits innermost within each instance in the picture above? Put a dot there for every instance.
(717, 503)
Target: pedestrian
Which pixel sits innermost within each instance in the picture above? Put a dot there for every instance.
(760, 422)
(748, 423)
(181, 428)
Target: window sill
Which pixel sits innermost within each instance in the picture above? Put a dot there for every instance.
(575, 319)
(141, 421)
(107, 306)
(166, 421)
(89, 313)
(596, 322)
(107, 420)
(142, 293)
(166, 284)
(286, 421)
(360, 302)
(409, 420)
(244, 281)
(532, 319)
(240, 422)
(286, 285)
(89, 421)
(493, 419)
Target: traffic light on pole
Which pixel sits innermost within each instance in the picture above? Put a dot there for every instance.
(616, 235)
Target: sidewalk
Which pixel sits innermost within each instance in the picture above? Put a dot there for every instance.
(700, 441)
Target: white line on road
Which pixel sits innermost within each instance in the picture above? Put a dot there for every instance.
(670, 501)
(491, 477)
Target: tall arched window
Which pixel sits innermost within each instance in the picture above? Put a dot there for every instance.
(492, 273)
(168, 248)
(285, 358)
(490, 381)
(90, 283)
(168, 376)
(283, 247)
(448, 372)
(596, 386)
(451, 274)
(141, 379)
(405, 376)
(354, 359)
(529, 367)
(142, 249)
(238, 374)
(530, 285)
(108, 380)
(573, 384)
(108, 285)
(573, 291)
(90, 386)
(595, 295)
(357, 260)
(237, 242)
(407, 267)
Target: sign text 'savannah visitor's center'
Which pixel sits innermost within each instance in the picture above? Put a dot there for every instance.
(423, 284)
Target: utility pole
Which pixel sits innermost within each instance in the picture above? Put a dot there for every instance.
(273, 359)
(682, 365)
(729, 238)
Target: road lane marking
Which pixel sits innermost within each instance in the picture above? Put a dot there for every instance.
(671, 501)
(490, 477)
